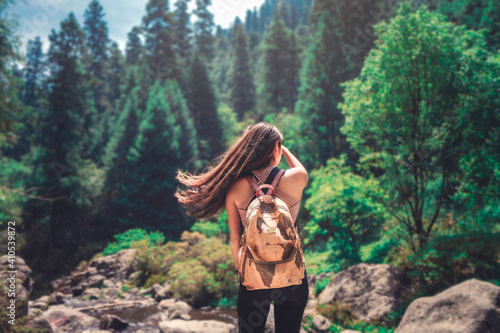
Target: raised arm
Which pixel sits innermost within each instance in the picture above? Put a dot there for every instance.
(297, 170)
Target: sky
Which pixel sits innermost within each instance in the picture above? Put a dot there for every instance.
(39, 17)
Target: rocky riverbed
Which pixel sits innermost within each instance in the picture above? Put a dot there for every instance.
(93, 300)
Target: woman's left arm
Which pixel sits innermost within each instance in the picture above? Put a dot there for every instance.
(235, 230)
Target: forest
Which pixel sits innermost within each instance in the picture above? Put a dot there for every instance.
(392, 106)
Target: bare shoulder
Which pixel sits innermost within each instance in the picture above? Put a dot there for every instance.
(297, 176)
(238, 190)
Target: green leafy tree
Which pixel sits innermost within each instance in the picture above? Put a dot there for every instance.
(475, 14)
(411, 112)
(241, 81)
(347, 211)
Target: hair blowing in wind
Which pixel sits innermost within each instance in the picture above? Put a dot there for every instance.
(206, 192)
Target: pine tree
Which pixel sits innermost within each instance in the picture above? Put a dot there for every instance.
(158, 27)
(57, 154)
(241, 81)
(188, 137)
(116, 73)
(203, 26)
(134, 47)
(335, 55)
(202, 104)
(280, 68)
(293, 69)
(33, 72)
(183, 30)
(103, 128)
(118, 166)
(97, 41)
(147, 148)
(221, 65)
(248, 21)
(9, 103)
(320, 94)
(253, 40)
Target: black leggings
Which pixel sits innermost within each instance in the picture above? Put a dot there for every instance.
(289, 305)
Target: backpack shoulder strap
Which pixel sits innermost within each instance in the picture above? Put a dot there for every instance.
(270, 177)
(252, 182)
(277, 178)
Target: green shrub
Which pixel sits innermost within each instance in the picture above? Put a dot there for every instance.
(189, 280)
(321, 285)
(450, 259)
(377, 251)
(316, 262)
(127, 238)
(338, 313)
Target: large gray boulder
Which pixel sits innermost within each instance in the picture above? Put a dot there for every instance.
(116, 267)
(369, 290)
(472, 306)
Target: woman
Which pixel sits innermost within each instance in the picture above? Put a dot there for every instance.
(258, 151)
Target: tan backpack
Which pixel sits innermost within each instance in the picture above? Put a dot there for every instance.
(271, 251)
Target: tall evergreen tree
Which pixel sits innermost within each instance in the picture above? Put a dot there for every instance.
(221, 65)
(203, 107)
(241, 81)
(280, 68)
(183, 30)
(9, 102)
(335, 54)
(97, 41)
(32, 75)
(248, 21)
(118, 166)
(204, 40)
(57, 154)
(134, 48)
(103, 128)
(320, 94)
(116, 73)
(147, 148)
(33, 72)
(158, 27)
